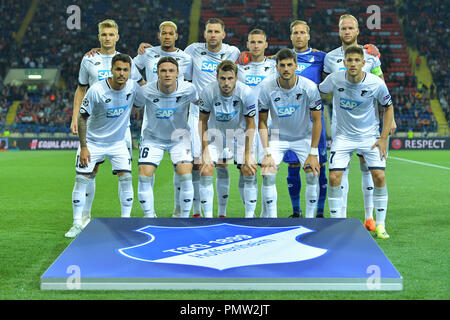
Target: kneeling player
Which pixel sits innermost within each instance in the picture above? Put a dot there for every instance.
(107, 106)
(357, 129)
(165, 128)
(227, 111)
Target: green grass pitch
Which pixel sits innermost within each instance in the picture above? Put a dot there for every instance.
(36, 211)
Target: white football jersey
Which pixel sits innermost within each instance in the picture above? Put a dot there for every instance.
(334, 61)
(165, 113)
(205, 62)
(98, 68)
(254, 73)
(150, 58)
(109, 111)
(290, 109)
(228, 112)
(357, 115)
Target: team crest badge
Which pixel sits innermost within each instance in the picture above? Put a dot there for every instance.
(222, 246)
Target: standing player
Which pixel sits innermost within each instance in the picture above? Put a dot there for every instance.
(227, 111)
(166, 107)
(206, 57)
(292, 101)
(148, 60)
(334, 61)
(310, 66)
(357, 129)
(102, 124)
(167, 36)
(252, 74)
(97, 67)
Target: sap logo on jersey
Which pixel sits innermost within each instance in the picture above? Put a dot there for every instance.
(286, 111)
(165, 113)
(222, 246)
(103, 74)
(348, 104)
(253, 80)
(224, 117)
(115, 112)
(209, 66)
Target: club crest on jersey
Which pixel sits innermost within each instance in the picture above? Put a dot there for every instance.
(222, 246)
(348, 104)
(224, 117)
(253, 80)
(115, 112)
(209, 66)
(166, 113)
(286, 111)
(103, 74)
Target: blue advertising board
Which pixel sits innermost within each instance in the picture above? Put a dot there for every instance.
(222, 254)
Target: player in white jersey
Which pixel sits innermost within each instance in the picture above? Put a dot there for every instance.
(167, 36)
(295, 107)
(102, 125)
(227, 127)
(95, 67)
(357, 129)
(334, 61)
(253, 74)
(148, 58)
(166, 108)
(206, 57)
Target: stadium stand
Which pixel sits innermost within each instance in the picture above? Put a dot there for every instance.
(40, 109)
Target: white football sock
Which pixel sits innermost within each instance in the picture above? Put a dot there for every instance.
(367, 189)
(79, 198)
(380, 202)
(250, 196)
(344, 185)
(126, 194)
(269, 191)
(90, 193)
(335, 201)
(145, 196)
(186, 194)
(207, 195)
(196, 183)
(311, 194)
(222, 189)
(176, 191)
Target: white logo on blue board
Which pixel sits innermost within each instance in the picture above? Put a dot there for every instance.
(222, 246)
(348, 104)
(209, 66)
(103, 74)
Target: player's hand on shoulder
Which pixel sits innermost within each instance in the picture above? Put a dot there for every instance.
(143, 46)
(91, 52)
(316, 50)
(244, 58)
(372, 50)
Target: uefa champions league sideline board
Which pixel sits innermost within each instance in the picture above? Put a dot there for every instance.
(222, 254)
